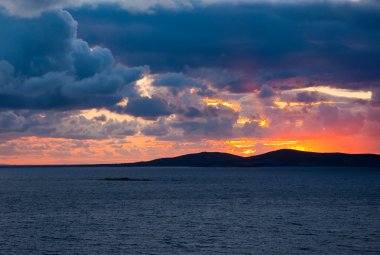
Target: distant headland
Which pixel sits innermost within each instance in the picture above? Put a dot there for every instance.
(279, 158)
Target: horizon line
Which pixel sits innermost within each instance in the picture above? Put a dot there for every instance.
(135, 162)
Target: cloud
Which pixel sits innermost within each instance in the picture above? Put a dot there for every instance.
(43, 89)
(149, 108)
(89, 61)
(43, 65)
(308, 97)
(27, 8)
(34, 8)
(10, 122)
(113, 82)
(337, 43)
(36, 46)
(101, 118)
(68, 125)
(213, 123)
(340, 122)
(243, 55)
(176, 82)
(222, 78)
(266, 91)
(157, 129)
(326, 47)
(376, 96)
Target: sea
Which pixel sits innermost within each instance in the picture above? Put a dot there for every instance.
(168, 210)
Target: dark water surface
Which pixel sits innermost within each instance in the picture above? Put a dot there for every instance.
(190, 211)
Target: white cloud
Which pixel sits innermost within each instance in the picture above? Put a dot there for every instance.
(31, 8)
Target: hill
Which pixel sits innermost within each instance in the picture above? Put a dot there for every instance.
(277, 158)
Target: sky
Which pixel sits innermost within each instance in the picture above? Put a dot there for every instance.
(96, 81)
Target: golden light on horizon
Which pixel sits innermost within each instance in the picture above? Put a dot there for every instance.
(286, 104)
(243, 147)
(298, 148)
(215, 102)
(120, 83)
(264, 123)
(140, 148)
(300, 145)
(249, 152)
(261, 122)
(241, 143)
(247, 146)
(280, 143)
(242, 121)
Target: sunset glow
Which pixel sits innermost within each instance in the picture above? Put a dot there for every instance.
(283, 104)
(216, 102)
(122, 84)
(189, 127)
(243, 121)
(264, 123)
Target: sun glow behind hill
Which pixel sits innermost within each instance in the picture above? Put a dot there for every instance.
(120, 83)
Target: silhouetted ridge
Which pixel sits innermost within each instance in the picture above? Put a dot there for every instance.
(302, 158)
(206, 159)
(277, 158)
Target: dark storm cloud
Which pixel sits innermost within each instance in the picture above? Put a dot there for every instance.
(43, 65)
(149, 108)
(159, 128)
(336, 41)
(176, 82)
(89, 62)
(376, 97)
(61, 91)
(222, 78)
(266, 91)
(10, 121)
(33, 7)
(308, 97)
(213, 123)
(55, 70)
(63, 125)
(36, 46)
(48, 74)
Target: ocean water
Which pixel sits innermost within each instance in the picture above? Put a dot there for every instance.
(190, 211)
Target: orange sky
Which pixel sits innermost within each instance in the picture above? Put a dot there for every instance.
(33, 150)
(261, 125)
(73, 90)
